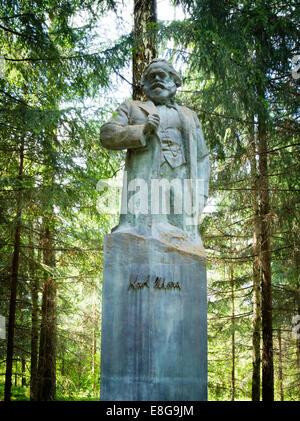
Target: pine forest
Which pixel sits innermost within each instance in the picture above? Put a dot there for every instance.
(65, 65)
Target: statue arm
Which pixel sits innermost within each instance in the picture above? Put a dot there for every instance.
(118, 133)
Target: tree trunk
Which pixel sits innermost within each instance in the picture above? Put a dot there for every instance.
(34, 288)
(256, 323)
(144, 49)
(46, 378)
(23, 361)
(14, 281)
(280, 377)
(265, 238)
(232, 397)
(265, 260)
(298, 312)
(94, 340)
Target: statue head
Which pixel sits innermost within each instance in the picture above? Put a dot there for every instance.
(160, 81)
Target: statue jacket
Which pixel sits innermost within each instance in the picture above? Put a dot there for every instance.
(125, 131)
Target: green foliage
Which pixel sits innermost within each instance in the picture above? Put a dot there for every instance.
(49, 72)
(53, 99)
(235, 51)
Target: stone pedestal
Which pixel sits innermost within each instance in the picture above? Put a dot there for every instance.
(154, 321)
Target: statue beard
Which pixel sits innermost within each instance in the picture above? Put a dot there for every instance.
(162, 99)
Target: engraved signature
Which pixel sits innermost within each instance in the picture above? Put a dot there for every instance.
(137, 282)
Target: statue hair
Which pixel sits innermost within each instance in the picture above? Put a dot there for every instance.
(171, 70)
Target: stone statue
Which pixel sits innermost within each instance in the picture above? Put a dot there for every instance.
(154, 317)
(166, 158)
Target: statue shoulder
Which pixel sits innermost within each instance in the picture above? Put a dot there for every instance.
(189, 112)
(129, 105)
(125, 105)
(137, 102)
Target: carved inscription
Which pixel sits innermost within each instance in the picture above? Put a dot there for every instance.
(138, 284)
(160, 283)
(157, 282)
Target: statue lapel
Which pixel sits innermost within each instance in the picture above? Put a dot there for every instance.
(148, 107)
(187, 135)
(190, 145)
(154, 148)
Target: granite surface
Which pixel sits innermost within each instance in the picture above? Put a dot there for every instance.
(154, 321)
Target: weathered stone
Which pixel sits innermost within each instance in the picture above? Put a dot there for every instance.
(164, 141)
(154, 339)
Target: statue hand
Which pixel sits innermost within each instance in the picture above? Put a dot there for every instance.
(152, 124)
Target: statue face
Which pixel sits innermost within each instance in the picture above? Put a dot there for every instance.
(159, 85)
